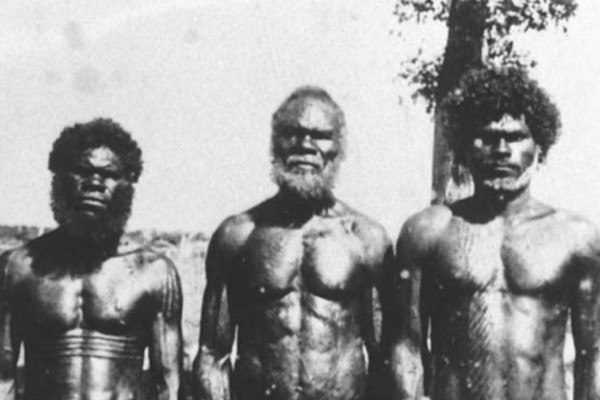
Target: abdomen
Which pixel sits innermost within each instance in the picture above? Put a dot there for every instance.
(498, 345)
(301, 348)
(84, 365)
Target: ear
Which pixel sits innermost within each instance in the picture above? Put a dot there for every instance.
(539, 156)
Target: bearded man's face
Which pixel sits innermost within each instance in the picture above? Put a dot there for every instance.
(93, 197)
(306, 151)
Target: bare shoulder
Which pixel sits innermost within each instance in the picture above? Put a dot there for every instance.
(371, 233)
(19, 262)
(233, 232)
(159, 274)
(153, 262)
(422, 230)
(583, 233)
(576, 224)
(568, 224)
(16, 263)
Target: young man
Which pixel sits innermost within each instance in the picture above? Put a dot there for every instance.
(492, 279)
(84, 306)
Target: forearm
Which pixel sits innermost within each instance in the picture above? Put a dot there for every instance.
(586, 375)
(166, 358)
(8, 366)
(406, 373)
(8, 389)
(212, 376)
(378, 387)
(168, 389)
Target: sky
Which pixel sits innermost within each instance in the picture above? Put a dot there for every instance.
(196, 83)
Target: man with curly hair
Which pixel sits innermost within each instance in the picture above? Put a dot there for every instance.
(491, 280)
(298, 275)
(85, 304)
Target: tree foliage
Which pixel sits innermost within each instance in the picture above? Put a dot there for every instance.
(502, 20)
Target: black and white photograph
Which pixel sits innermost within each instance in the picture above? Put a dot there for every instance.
(299, 200)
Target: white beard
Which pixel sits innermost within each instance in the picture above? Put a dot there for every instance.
(309, 185)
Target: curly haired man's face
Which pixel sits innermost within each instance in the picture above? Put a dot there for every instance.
(96, 173)
(502, 154)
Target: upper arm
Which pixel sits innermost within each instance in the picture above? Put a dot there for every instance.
(217, 322)
(10, 337)
(585, 295)
(167, 321)
(407, 280)
(380, 256)
(412, 282)
(171, 296)
(382, 262)
(166, 345)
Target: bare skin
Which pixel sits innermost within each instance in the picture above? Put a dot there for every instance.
(299, 282)
(86, 312)
(300, 293)
(494, 279)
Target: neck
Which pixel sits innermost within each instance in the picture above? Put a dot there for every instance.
(90, 246)
(304, 208)
(501, 202)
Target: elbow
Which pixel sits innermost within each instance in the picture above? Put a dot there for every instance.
(7, 369)
(211, 375)
(168, 383)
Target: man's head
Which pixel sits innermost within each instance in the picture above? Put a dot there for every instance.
(95, 166)
(307, 144)
(500, 124)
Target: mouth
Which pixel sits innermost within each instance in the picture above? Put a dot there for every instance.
(91, 203)
(502, 169)
(303, 162)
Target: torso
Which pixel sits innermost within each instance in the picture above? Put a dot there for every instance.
(499, 306)
(303, 292)
(84, 333)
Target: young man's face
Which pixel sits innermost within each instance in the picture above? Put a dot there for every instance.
(502, 153)
(94, 193)
(96, 173)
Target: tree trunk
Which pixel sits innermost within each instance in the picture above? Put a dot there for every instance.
(466, 25)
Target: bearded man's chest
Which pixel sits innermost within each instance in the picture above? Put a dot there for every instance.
(325, 262)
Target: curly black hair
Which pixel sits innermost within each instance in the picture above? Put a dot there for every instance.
(485, 95)
(75, 139)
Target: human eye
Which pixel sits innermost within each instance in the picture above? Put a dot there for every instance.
(115, 175)
(516, 137)
(321, 135)
(288, 132)
(80, 170)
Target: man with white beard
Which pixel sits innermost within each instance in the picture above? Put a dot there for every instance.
(495, 277)
(298, 275)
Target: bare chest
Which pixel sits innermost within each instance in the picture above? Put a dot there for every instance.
(325, 259)
(526, 259)
(112, 300)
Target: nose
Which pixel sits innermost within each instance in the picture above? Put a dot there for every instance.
(93, 183)
(502, 147)
(305, 142)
